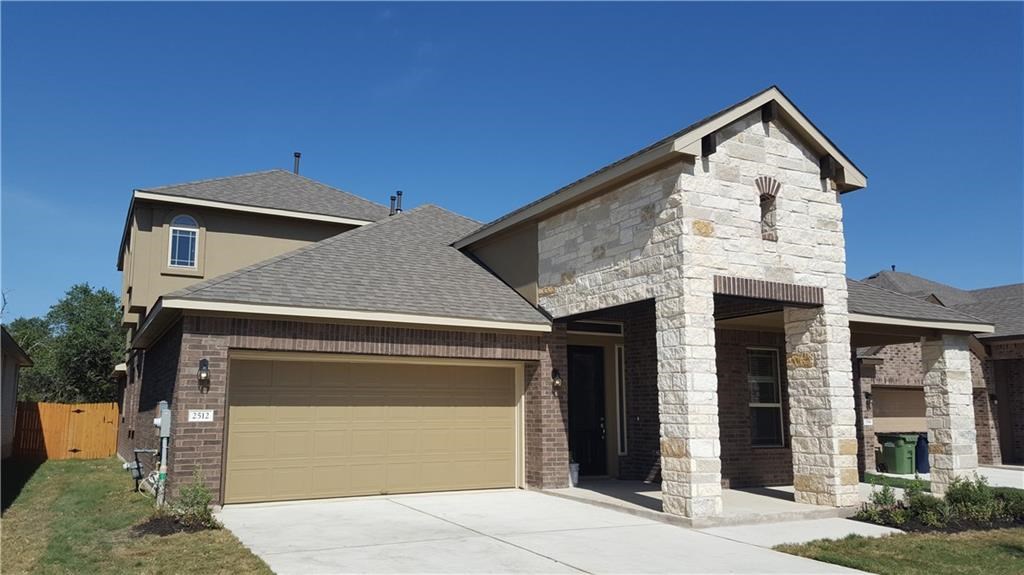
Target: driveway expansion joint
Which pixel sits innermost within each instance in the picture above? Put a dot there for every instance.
(495, 538)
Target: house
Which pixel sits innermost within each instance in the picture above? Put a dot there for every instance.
(892, 374)
(14, 358)
(681, 315)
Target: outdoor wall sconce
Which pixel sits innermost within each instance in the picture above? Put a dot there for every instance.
(867, 399)
(556, 378)
(993, 398)
(204, 373)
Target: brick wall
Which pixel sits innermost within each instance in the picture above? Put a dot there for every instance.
(1009, 376)
(643, 436)
(201, 445)
(156, 373)
(129, 400)
(742, 464)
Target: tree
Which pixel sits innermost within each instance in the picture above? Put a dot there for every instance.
(74, 347)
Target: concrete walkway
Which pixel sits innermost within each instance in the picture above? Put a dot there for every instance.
(504, 531)
(771, 534)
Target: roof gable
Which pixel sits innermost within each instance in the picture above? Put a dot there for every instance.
(686, 142)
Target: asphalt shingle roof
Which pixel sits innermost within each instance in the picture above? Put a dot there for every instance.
(401, 264)
(1004, 305)
(873, 300)
(281, 190)
(919, 287)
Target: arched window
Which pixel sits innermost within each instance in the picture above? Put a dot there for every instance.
(184, 242)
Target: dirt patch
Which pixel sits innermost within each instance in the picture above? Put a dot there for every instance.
(163, 525)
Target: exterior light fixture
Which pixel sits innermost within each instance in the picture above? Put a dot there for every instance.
(204, 372)
(867, 399)
(556, 378)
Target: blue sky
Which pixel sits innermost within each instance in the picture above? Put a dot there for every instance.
(481, 108)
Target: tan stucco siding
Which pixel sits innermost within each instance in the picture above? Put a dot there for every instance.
(513, 258)
(227, 241)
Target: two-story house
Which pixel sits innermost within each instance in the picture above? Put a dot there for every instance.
(177, 235)
(681, 315)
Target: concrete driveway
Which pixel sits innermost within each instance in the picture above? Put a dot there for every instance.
(506, 531)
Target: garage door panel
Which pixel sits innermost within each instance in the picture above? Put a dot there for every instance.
(320, 429)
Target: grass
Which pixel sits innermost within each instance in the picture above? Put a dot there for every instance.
(76, 516)
(996, 552)
(900, 482)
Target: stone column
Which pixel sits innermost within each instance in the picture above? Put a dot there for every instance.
(821, 408)
(948, 396)
(691, 466)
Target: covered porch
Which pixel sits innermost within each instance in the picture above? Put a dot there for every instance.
(777, 434)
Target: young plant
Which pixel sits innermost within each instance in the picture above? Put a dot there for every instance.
(192, 506)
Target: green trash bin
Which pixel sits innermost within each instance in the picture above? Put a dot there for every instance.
(898, 452)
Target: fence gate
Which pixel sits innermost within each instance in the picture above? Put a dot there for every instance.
(66, 430)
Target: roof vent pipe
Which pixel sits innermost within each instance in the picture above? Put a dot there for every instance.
(392, 212)
(297, 156)
(398, 206)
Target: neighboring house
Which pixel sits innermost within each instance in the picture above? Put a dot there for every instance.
(14, 358)
(680, 315)
(892, 375)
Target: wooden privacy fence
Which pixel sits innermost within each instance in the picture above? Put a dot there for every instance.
(66, 430)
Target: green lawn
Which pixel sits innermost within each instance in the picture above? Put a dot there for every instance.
(997, 552)
(76, 516)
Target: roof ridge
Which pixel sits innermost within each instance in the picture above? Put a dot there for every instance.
(319, 183)
(995, 287)
(920, 300)
(208, 180)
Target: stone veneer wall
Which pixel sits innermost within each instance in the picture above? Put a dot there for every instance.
(201, 445)
(952, 439)
(664, 237)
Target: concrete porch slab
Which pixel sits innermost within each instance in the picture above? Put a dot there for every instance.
(739, 506)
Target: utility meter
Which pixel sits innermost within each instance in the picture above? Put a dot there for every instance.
(163, 421)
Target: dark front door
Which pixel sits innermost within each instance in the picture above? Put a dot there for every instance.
(586, 409)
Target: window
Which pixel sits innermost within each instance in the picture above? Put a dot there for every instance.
(765, 398)
(768, 189)
(620, 396)
(768, 229)
(184, 240)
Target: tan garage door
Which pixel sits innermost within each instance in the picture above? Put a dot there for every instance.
(899, 409)
(300, 430)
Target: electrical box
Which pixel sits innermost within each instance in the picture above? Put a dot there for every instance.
(164, 420)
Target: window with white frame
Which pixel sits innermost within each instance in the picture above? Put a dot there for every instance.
(766, 424)
(184, 242)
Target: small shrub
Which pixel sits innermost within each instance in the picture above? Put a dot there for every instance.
(974, 500)
(1013, 502)
(884, 497)
(928, 509)
(914, 487)
(896, 516)
(192, 506)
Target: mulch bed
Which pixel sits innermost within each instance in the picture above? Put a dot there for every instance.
(163, 525)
